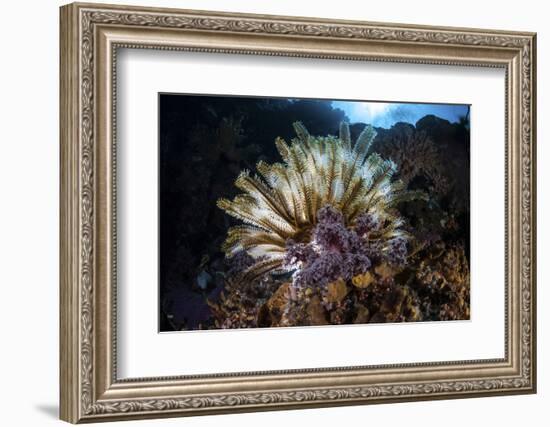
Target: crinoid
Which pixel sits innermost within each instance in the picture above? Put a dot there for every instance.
(325, 213)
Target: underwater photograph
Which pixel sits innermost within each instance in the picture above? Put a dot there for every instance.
(279, 212)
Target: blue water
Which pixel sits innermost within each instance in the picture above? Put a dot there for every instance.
(385, 115)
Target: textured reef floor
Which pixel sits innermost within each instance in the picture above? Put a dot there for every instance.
(347, 225)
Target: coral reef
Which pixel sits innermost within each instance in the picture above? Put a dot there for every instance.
(416, 155)
(288, 206)
(368, 226)
(434, 285)
(442, 280)
(339, 237)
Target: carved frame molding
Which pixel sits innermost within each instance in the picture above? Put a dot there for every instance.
(90, 36)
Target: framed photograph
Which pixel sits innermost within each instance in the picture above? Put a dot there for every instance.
(268, 212)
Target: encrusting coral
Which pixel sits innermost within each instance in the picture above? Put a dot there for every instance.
(442, 280)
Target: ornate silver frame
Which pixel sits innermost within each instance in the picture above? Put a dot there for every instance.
(90, 36)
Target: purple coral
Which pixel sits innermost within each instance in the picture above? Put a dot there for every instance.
(297, 254)
(335, 252)
(330, 233)
(396, 251)
(354, 264)
(329, 215)
(366, 223)
(320, 272)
